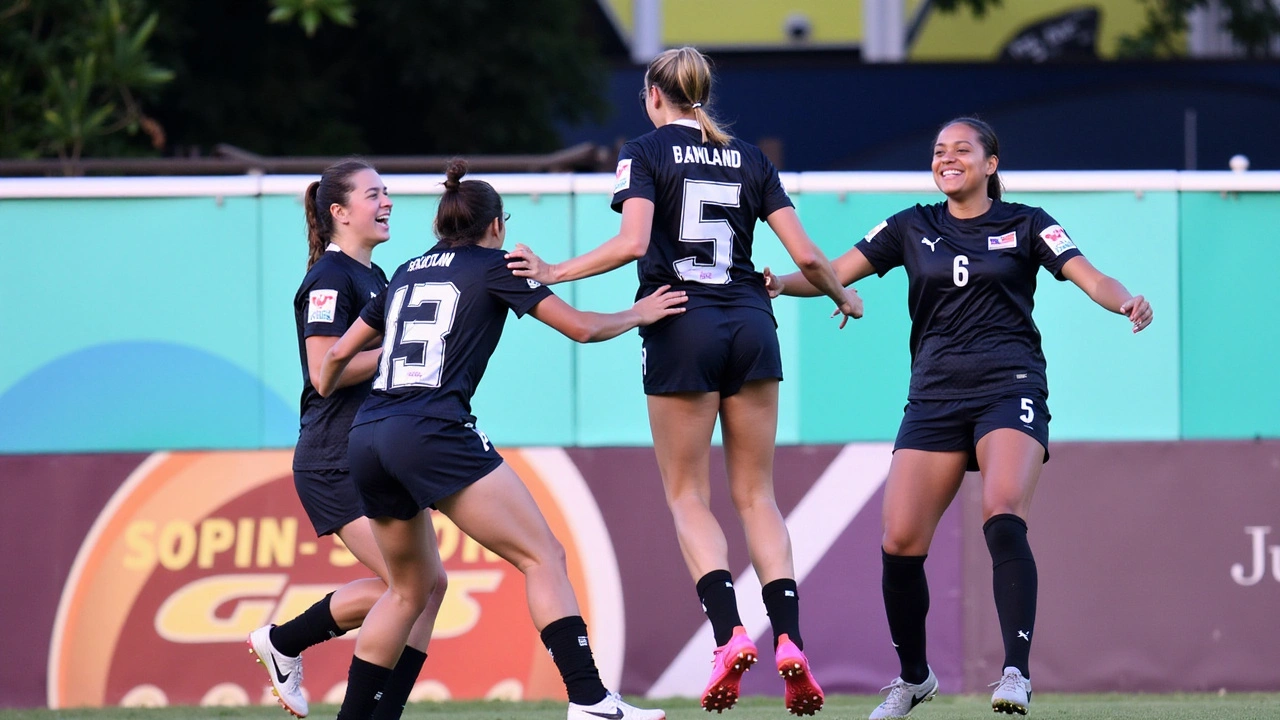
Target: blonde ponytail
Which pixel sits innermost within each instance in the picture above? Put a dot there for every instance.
(684, 77)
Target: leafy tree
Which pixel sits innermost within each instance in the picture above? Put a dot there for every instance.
(404, 77)
(75, 77)
(1252, 23)
(310, 13)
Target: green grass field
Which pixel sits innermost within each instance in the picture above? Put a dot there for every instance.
(844, 707)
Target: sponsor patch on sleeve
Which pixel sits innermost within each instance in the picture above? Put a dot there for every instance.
(321, 306)
(622, 177)
(1056, 238)
(1002, 242)
(876, 230)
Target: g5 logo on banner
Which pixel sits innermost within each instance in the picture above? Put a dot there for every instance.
(195, 550)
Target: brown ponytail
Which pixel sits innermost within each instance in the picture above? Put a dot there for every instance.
(466, 208)
(684, 77)
(315, 244)
(990, 145)
(333, 187)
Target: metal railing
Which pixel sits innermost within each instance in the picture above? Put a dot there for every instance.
(231, 160)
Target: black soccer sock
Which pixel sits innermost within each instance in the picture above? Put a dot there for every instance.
(906, 603)
(312, 627)
(1014, 580)
(365, 682)
(396, 692)
(566, 640)
(720, 603)
(782, 602)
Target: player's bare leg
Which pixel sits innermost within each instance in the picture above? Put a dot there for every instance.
(749, 423)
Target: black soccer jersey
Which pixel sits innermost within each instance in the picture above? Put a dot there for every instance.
(329, 300)
(972, 286)
(441, 318)
(707, 200)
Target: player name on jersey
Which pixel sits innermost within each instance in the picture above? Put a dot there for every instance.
(707, 156)
(432, 260)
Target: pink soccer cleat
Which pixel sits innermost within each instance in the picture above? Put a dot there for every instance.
(731, 660)
(804, 697)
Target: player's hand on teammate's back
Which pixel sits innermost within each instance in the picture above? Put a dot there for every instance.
(850, 308)
(772, 283)
(1138, 311)
(663, 302)
(526, 264)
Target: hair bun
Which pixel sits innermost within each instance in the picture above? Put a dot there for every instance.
(453, 174)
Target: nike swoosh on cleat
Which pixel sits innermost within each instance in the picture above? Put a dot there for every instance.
(615, 715)
(283, 678)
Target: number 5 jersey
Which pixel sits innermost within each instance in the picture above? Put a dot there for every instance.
(707, 200)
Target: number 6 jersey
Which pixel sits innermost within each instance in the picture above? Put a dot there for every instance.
(971, 292)
(707, 200)
(440, 319)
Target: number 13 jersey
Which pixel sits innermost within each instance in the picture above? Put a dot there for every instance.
(706, 200)
(440, 319)
(971, 292)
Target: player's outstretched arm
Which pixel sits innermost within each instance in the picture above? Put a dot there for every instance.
(850, 267)
(361, 368)
(1108, 292)
(340, 355)
(819, 275)
(585, 327)
(631, 243)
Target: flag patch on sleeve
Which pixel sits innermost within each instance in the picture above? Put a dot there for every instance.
(321, 306)
(876, 230)
(1056, 238)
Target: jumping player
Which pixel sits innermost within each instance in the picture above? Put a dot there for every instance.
(415, 445)
(690, 196)
(978, 390)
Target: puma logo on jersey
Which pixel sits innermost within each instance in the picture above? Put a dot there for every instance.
(933, 244)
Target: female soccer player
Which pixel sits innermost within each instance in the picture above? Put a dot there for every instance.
(978, 390)
(690, 196)
(415, 445)
(348, 214)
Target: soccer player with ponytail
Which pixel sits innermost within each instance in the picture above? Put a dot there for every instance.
(978, 391)
(415, 445)
(348, 214)
(690, 197)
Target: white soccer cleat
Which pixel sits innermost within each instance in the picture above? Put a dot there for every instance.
(612, 707)
(1013, 693)
(904, 697)
(285, 672)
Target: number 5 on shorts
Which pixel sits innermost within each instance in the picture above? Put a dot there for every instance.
(484, 439)
(1030, 413)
